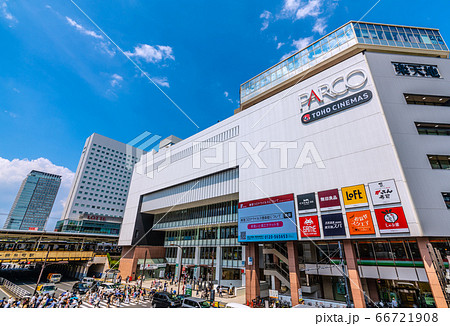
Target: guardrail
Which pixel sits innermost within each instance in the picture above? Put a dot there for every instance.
(13, 288)
(26, 256)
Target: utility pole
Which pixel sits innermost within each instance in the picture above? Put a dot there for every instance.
(180, 271)
(42, 270)
(341, 256)
(143, 268)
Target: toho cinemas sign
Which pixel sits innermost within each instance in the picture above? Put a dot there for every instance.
(316, 103)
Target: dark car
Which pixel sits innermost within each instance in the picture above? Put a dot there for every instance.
(165, 300)
(80, 287)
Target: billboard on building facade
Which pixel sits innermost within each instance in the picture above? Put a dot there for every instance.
(333, 224)
(267, 219)
(360, 222)
(329, 199)
(391, 220)
(306, 203)
(384, 192)
(354, 196)
(309, 226)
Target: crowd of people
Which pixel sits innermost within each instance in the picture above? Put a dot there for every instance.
(69, 299)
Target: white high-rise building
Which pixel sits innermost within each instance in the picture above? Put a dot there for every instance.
(99, 191)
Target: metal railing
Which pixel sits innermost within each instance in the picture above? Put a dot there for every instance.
(13, 288)
(26, 256)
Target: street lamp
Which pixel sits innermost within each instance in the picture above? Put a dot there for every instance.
(181, 266)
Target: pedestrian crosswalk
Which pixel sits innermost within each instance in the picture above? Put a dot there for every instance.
(103, 304)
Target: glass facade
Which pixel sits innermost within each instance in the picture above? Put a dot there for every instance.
(33, 202)
(219, 213)
(85, 226)
(440, 162)
(438, 129)
(348, 35)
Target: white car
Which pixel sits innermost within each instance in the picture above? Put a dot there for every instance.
(48, 288)
(108, 287)
(88, 280)
(236, 305)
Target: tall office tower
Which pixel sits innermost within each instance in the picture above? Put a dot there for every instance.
(99, 191)
(34, 202)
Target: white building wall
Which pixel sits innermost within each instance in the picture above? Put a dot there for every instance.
(425, 184)
(112, 203)
(355, 146)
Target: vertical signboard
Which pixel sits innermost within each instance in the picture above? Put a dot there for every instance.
(333, 224)
(354, 196)
(329, 200)
(384, 192)
(306, 203)
(391, 220)
(267, 219)
(309, 226)
(360, 222)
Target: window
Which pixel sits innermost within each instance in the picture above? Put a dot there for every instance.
(441, 162)
(425, 128)
(446, 197)
(427, 100)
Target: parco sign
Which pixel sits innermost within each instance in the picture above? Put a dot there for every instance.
(340, 86)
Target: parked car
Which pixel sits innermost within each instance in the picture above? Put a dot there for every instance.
(80, 287)
(88, 280)
(236, 305)
(165, 300)
(192, 302)
(48, 288)
(54, 277)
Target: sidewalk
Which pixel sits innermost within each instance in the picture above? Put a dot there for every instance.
(225, 299)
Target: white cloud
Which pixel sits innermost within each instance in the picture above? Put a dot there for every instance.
(11, 114)
(16, 90)
(265, 16)
(13, 172)
(161, 81)
(312, 8)
(115, 80)
(320, 26)
(152, 54)
(279, 45)
(290, 6)
(6, 13)
(106, 47)
(83, 30)
(227, 96)
(298, 44)
(302, 42)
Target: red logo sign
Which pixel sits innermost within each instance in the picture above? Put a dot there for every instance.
(329, 199)
(309, 226)
(391, 220)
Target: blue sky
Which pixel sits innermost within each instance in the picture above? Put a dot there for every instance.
(62, 79)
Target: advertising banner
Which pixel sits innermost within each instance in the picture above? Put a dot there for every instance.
(333, 224)
(309, 226)
(384, 192)
(267, 219)
(391, 220)
(354, 196)
(307, 203)
(273, 294)
(329, 200)
(360, 222)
